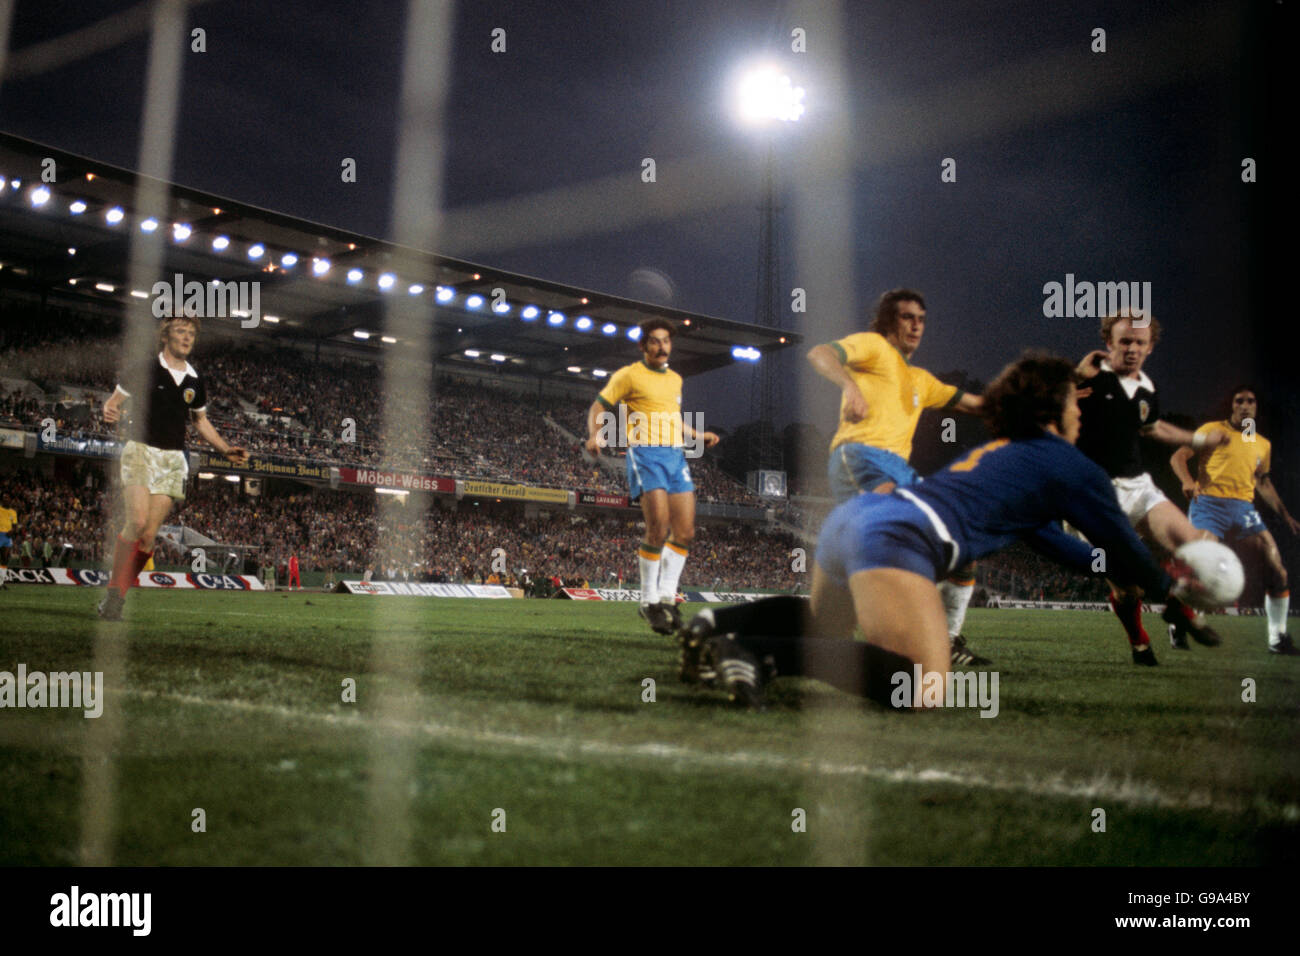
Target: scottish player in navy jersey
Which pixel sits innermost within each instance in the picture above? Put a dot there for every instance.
(878, 556)
(154, 468)
(1121, 409)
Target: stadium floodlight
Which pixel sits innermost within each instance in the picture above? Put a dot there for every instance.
(386, 281)
(220, 242)
(583, 323)
(444, 294)
(574, 369)
(231, 477)
(104, 287)
(529, 313)
(472, 353)
(139, 294)
(72, 250)
(634, 333)
(555, 318)
(474, 302)
(497, 357)
(289, 260)
(501, 308)
(40, 195)
(358, 334)
(320, 266)
(388, 338)
(181, 231)
(743, 353)
(766, 94)
(415, 288)
(273, 319)
(256, 250)
(599, 373)
(15, 183)
(354, 276)
(114, 216)
(149, 225)
(77, 208)
(609, 328)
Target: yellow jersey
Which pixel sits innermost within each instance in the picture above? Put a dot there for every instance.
(1229, 471)
(8, 518)
(654, 401)
(896, 392)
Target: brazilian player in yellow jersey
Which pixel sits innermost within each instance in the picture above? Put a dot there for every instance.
(657, 473)
(882, 397)
(1222, 495)
(8, 518)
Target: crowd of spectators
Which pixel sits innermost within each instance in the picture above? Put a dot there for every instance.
(58, 519)
(286, 404)
(346, 532)
(1017, 572)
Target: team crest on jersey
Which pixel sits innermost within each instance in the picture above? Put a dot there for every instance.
(188, 395)
(1144, 409)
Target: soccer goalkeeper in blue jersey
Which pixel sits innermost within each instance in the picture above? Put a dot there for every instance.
(878, 556)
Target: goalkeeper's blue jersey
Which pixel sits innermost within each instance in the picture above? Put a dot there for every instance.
(1007, 490)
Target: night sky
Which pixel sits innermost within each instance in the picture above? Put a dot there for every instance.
(1115, 166)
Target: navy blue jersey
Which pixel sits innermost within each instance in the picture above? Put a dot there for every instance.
(1008, 490)
(159, 419)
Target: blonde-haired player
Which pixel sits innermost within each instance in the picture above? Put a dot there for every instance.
(1120, 408)
(1222, 499)
(154, 467)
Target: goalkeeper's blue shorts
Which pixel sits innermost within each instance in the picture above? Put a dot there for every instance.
(657, 466)
(880, 531)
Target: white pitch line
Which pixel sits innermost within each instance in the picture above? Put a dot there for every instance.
(1100, 788)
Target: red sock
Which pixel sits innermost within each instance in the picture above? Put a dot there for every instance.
(123, 551)
(1129, 612)
(138, 560)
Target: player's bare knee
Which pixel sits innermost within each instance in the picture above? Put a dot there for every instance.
(656, 534)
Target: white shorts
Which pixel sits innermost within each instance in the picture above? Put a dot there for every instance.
(163, 472)
(1137, 496)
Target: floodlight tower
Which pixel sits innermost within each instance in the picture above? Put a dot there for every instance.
(768, 99)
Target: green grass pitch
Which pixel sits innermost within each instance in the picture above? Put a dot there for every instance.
(232, 703)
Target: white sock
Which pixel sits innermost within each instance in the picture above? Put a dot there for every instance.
(649, 574)
(670, 571)
(1275, 608)
(956, 598)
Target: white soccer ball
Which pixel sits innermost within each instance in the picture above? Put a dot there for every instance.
(1217, 574)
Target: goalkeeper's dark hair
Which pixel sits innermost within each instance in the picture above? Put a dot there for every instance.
(1028, 395)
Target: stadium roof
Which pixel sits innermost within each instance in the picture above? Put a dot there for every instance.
(41, 224)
